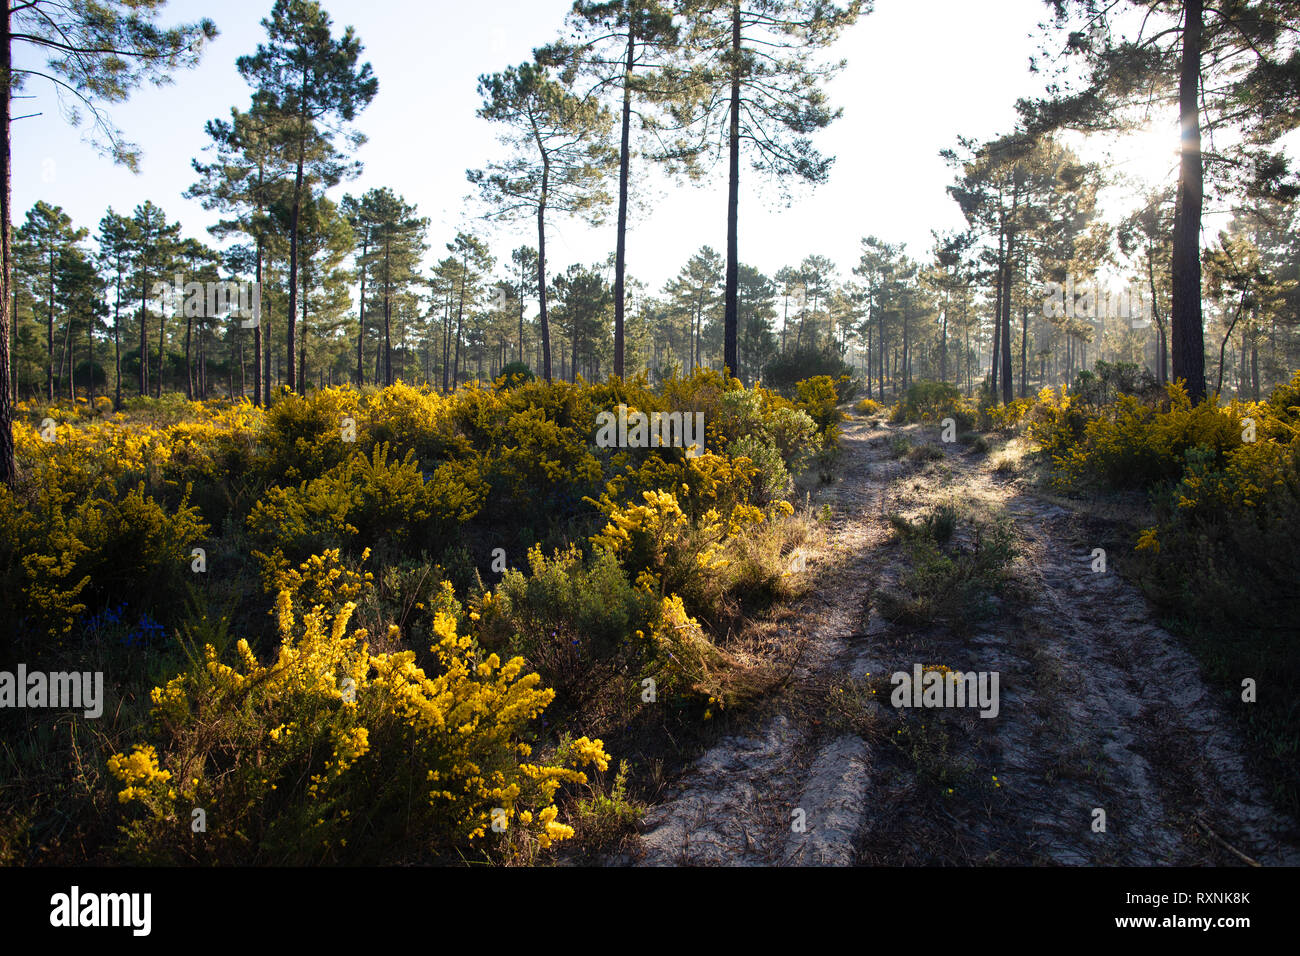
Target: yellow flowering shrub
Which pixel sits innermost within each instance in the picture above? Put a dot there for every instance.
(689, 663)
(1007, 418)
(61, 551)
(1055, 423)
(817, 397)
(364, 499)
(1132, 444)
(668, 553)
(305, 434)
(412, 419)
(538, 457)
(330, 753)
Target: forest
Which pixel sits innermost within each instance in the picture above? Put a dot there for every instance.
(319, 544)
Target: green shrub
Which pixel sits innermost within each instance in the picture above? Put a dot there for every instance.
(514, 374)
(953, 585)
(771, 481)
(931, 402)
(789, 368)
(575, 621)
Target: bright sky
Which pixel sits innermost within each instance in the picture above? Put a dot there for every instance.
(920, 72)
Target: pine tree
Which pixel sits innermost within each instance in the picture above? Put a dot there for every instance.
(1220, 70)
(396, 250)
(750, 83)
(561, 157)
(313, 83)
(623, 45)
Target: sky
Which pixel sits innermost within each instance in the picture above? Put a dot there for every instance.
(920, 72)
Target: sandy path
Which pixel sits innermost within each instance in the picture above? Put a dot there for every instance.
(1100, 708)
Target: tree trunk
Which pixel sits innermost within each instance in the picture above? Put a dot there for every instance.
(117, 340)
(144, 341)
(521, 313)
(7, 387)
(541, 273)
(1024, 352)
(881, 346)
(361, 318)
(49, 335)
(943, 341)
(731, 315)
(460, 319)
(162, 339)
(302, 349)
(257, 329)
(1186, 323)
(63, 356)
(266, 355)
(293, 260)
(624, 162)
(1162, 359)
(1007, 385)
(1254, 368)
(995, 357)
(446, 344)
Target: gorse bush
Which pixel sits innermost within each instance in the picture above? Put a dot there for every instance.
(818, 397)
(366, 499)
(1134, 445)
(334, 754)
(66, 552)
(304, 434)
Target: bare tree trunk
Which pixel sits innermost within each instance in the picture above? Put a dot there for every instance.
(624, 162)
(1024, 352)
(1188, 332)
(189, 368)
(117, 340)
(257, 332)
(63, 357)
(293, 263)
(162, 339)
(732, 311)
(1007, 385)
(541, 273)
(7, 384)
(49, 334)
(361, 318)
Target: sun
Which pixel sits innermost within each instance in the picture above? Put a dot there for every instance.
(1148, 156)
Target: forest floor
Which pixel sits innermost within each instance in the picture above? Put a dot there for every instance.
(1100, 708)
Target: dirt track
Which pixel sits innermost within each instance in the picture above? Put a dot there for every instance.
(1100, 708)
